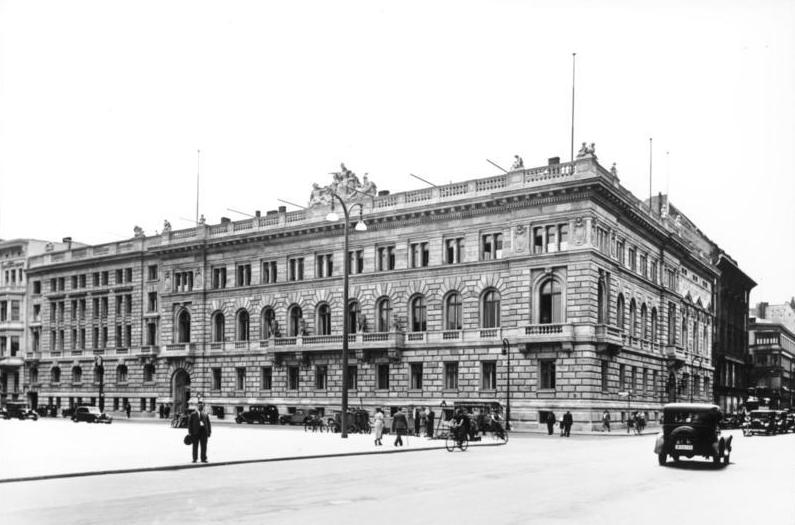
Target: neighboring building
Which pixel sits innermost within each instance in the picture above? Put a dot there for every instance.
(772, 347)
(730, 352)
(593, 293)
(14, 334)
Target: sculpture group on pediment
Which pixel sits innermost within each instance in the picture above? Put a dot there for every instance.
(346, 184)
(518, 163)
(586, 150)
(138, 231)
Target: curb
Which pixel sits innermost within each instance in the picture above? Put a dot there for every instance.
(167, 468)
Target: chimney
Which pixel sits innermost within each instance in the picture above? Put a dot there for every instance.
(282, 209)
(225, 220)
(68, 242)
(761, 310)
(383, 193)
(257, 214)
(552, 161)
(271, 212)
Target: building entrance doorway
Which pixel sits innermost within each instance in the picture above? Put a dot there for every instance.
(180, 390)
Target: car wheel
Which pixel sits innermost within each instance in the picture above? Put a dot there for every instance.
(74, 420)
(662, 457)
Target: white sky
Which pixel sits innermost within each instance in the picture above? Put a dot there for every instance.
(103, 105)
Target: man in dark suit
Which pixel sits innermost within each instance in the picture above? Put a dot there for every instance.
(199, 429)
(568, 420)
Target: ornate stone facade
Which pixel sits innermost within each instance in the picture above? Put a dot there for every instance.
(591, 292)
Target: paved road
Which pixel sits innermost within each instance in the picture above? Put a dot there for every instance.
(534, 479)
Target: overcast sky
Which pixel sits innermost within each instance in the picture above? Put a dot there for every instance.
(103, 105)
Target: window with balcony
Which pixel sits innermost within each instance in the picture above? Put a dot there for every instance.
(296, 319)
(451, 376)
(386, 258)
(415, 381)
(418, 319)
(488, 375)
(268, 323)
(550, 305)
(547, 374)
(324, 265)
(355, 319)
(490, 309)
(269, 274)
(490, 246)
(383, 314)
(321, 377)
(453, 312)
(419, 255)
(218, 277)
(218, 327)
(183, 327)
(323, 319)
(243, 325)
(454, 250)
(295, 268)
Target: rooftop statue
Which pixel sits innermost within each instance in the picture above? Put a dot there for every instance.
(345, 184)
(518, 163)
(138, 231)
(166, 226)
(586, 150)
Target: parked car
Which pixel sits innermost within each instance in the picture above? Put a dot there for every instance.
(18, 410)
(782, 422)
(692, 429)
(91, 414)
(761, 421)
(731, 421)
(259, 414)
(298, 417)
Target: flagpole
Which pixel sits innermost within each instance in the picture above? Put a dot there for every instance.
(198, 165)
(650, 153)
(573, 63)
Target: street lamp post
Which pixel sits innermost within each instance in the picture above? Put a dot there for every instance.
(506, 349)
(101, 371)
(360, 226)
(628, 395)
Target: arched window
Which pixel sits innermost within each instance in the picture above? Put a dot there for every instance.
(490, 309)
(620, 312)
(354, 315)
(549, 303)
(418, 319)
(644, 329)
(77, 374)
(654, 327)
(323, 321)
(453, 312)
(243, 324)
(295, 316)
(219, 325)
(121, 374)
(183, 327)
(383, 314)
(601, 302)
(633, 318)
(55, 375)
(268, 328)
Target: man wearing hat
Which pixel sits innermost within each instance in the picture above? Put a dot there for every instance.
(199, 430)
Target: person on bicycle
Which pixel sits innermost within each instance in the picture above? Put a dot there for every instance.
(460, 425)
(496, 425)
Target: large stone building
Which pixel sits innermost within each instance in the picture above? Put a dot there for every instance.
(603, 302)
(14, 324)
(772, 348)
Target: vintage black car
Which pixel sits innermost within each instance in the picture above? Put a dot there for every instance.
(259, 414)
(692, 429)
(299, 417)
(18, 410)
(782, 422)
(90, 414)
(762, 421)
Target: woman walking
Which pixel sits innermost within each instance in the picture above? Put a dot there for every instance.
(379, 425)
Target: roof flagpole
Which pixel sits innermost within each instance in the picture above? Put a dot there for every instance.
(573, 64)
(198, 165)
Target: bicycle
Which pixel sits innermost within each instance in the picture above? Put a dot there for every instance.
(455, 439)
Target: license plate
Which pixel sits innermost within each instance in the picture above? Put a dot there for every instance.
(683, 447)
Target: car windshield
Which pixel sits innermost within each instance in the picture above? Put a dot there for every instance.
(93, 410)
(689, 416)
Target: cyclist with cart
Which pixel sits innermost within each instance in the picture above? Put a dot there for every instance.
(459, 427)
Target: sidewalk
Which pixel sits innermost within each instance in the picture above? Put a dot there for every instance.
(56, 447)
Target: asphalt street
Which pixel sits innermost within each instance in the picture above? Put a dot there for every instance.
(533, 479)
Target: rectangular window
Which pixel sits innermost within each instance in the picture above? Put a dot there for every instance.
(491, 246)
(240, 378)
(552, 239)
(268, 272)
(644, 381)
(61, 284)
(216, 385)
(632, 259)
(128, 304)
(620, 251)
(418, 254)
(119, 301)
(653, 271)
(74, 282)
(622, 377)
(15, 310)
(128, 275)
(151, 334)
(82, 280)
(488, 375)
(451, 376)
(324, 265)
(73, 339)
(296, 269)
(353, 377)
(151, 302)
(128, 335)
(119, 276)
(415, 382)
(104, 340)
(105, 278)
(654, 385)
(564, 237)
(644, 265)
(292, 378)
(118, 336)
(633, 385)
(4, 311)
(538, 240)
(73, 309)
(453, 250)
(383, 377)
(243, 275)
(547, 374)
(356, 261)
(36, 287)
(267, 378)
(386, 258)
(219, 277)
(95, 279)
(321, 376)
(52, 284)
(81, 342)
(605, 376)
(82, 308)
(151, 272)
